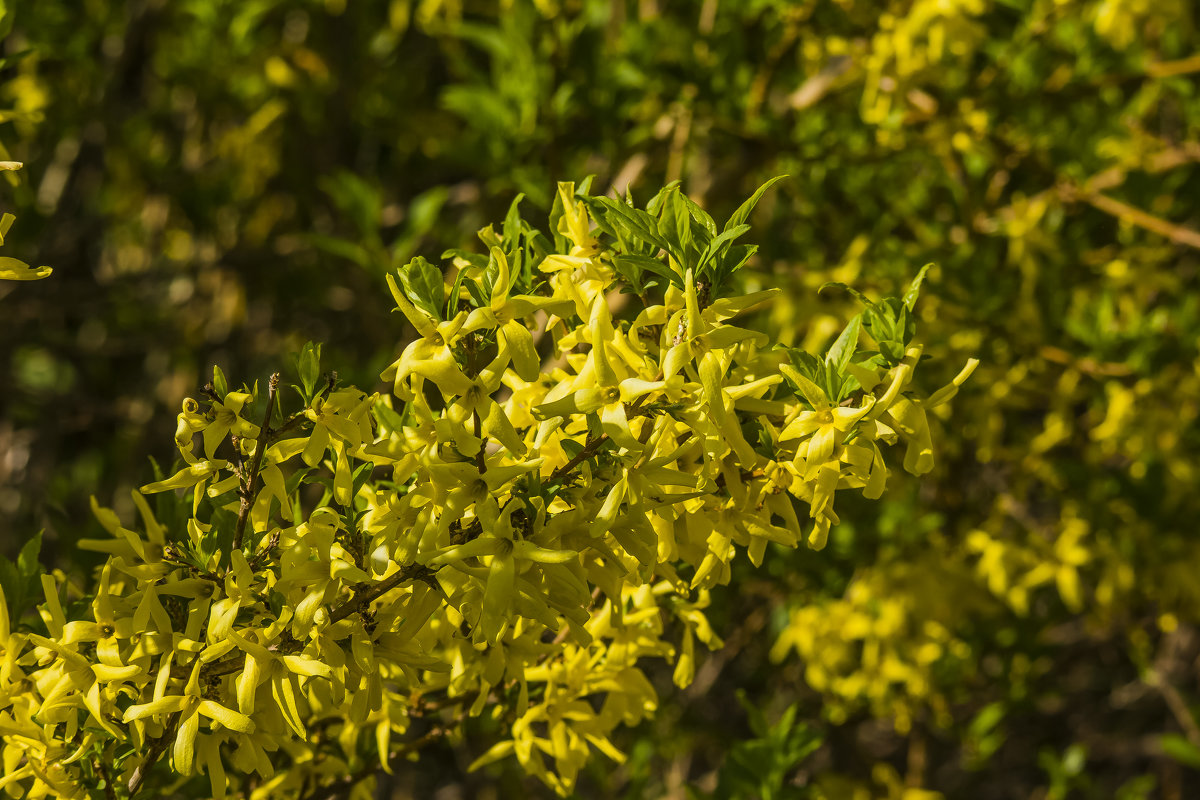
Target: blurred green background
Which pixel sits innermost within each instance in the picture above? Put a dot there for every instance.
(219, 181)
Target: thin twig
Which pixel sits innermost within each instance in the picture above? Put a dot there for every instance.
(1136, 216)
(110, 791)
(412, 572)
(291, 422)
(480, 460)
(249, 490)
(587, 452)
(238, 467)
(159, 746)
(211, 392)
(1177, 705)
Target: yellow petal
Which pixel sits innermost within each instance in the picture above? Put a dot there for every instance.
(308, 667)
(12, 269)
(495, 753)
(226, 716)
(166, 705)
(185, 743)
(189, 476)
(912, 423)
(947, 393)
(498, 596)
(614, 423)
(524, 355)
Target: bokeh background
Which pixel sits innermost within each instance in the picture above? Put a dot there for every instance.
(219, 181)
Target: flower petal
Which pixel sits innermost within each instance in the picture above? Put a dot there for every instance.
(226, 716)
(164, 706)
(185, 743)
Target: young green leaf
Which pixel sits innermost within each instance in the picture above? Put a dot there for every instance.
(743, 212)
(842, 350)
(424, 286)
(220, 385)
(309, 366)
(914, 288)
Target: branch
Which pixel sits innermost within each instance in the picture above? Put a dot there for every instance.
(480, 460)
(1135, 216)
(412, 572)
(587, 452)
(249, 491)
(156, 750)
(110, 791)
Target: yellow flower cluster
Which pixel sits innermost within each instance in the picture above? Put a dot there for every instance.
(559, 480)
(889, 643)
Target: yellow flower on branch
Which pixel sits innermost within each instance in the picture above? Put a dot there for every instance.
(191, 707)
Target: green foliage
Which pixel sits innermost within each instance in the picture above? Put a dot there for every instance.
(762, 765)
(21, 581)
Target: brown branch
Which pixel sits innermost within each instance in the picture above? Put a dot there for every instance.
(155, 753)
(480, 459)
(110, 791)
(1135, 216)
(587, 452)
(412, 572)
(249, 489)
(1177, 705)
(211, 392)
(1168, 69)
(292, 422)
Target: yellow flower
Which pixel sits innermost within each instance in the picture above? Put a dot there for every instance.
(431, 354)
(504, 314)
(12, 269)
(824, 426)
(504, 548)
(190, 706)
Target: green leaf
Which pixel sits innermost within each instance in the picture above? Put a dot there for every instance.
(456, 294)
(28, 564)
(718, 244)
(637, 222)
(837, 285)
(842, 350)
(699, 215)
(513, 221)
(359, 478)
(652, 265)
(676, 224)
(424, 287)
(657, 203)
(308, 365)
(1180, 749)
(22, 581)
(736, 258)
(294, 480)
(743, 212)
(914, 288)
(388, 418)
(220, 385)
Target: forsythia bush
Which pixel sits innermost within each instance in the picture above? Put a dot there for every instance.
(579, 441)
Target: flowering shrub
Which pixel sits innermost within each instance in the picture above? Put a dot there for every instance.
(578, 442)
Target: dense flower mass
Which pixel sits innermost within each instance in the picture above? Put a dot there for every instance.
(578, 443)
